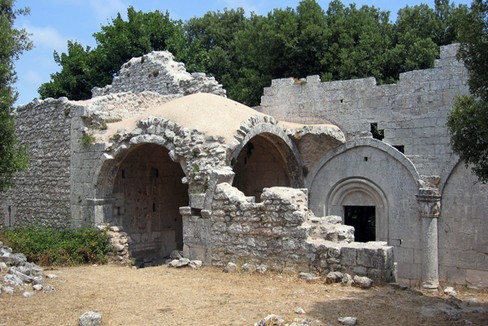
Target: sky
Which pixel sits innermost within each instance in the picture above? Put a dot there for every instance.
(52, 23)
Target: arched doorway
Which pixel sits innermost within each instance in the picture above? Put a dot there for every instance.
(363, 205)
(148, 192)
(260, 164)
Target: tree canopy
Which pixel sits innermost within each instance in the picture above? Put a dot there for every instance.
(13, 157)
(468, 120)
(244, 52)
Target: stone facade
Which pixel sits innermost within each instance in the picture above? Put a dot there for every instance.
(390, 173)
(165, 159)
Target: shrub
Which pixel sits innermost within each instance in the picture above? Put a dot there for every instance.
(50, 246)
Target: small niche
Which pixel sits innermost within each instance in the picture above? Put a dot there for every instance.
(154, 207)
(365, 159)
(154, 173)
(122, 173)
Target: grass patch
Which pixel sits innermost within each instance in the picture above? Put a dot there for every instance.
(48, 246)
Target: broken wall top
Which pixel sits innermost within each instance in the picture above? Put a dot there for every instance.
(158, 72)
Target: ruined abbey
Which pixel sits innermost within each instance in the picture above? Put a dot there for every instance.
(322, 176)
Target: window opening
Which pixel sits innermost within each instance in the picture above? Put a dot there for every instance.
(400, 148)
(377, 133)
(363, 219)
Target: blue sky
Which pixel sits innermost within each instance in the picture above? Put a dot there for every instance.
(53, 22)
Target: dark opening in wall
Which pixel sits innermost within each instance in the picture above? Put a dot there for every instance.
(363, 218)
(400, 148)
(10, 219)
(377, 133)
(154, 172)
(123, 174)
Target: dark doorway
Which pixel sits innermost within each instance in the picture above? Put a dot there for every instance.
(148, 193)
(363, 219)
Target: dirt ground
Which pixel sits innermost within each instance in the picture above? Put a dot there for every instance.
(169, 296)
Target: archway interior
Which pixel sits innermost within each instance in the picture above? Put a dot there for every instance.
(258, 165)
(363, 219)
(148, 193)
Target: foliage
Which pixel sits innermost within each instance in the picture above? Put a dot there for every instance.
(85, 68)
(49, 246)
(468, 120)
(13, 157)
(87, 139)
(245, 53)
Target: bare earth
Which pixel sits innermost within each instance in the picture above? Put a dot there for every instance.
(168, 296)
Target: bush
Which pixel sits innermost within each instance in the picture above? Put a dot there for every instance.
(49, 246)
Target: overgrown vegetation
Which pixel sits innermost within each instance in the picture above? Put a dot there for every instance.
(13, 42)
(48, 246)
(245, 52)
(468, 120)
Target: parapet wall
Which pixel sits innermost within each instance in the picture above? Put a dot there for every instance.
(412, 113)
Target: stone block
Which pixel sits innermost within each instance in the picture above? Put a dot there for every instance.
(477, 278)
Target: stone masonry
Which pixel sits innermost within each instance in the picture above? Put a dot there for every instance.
(165, 162)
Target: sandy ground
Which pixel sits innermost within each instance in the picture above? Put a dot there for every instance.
(168, 296)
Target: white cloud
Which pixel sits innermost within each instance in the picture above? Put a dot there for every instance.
(106, 9)
(47, 37)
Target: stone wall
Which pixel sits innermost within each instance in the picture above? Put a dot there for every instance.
(158, 72)
(277, 232)
(463, 230)
(412, 113)
(42, 193)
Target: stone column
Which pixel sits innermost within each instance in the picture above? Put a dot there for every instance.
(430, 208)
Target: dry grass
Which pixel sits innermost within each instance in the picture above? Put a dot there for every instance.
(166, 296)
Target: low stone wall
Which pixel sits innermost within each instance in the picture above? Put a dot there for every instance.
(277, 232)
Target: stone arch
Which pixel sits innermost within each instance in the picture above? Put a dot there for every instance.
(372, 172)
(139, 188)
(275, 162)
(360, 191)
(448, 171)
(360, 142)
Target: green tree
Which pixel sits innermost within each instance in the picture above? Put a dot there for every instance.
(84, 68)
(468, 120)
(13, 157)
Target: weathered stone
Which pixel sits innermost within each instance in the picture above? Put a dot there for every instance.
(362, 282)
(450, 291)
(349, 321)
(195, 264)
(309, 277)
(37, 287)
(248, 268)
(271, 320)
(90, 318)
(346, 279)
(300, 311)
(230, 267)
(27, 294)
(334, 277)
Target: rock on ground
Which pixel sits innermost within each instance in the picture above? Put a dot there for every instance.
(90, 318)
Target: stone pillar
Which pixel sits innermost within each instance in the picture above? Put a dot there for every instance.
(430, 208)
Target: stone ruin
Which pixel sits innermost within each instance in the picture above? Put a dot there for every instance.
(345, 176)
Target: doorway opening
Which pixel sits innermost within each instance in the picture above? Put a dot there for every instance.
(363, 219)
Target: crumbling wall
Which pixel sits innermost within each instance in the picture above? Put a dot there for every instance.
(412, 113)
(42, 192)
(158, 72)
(278, 232)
